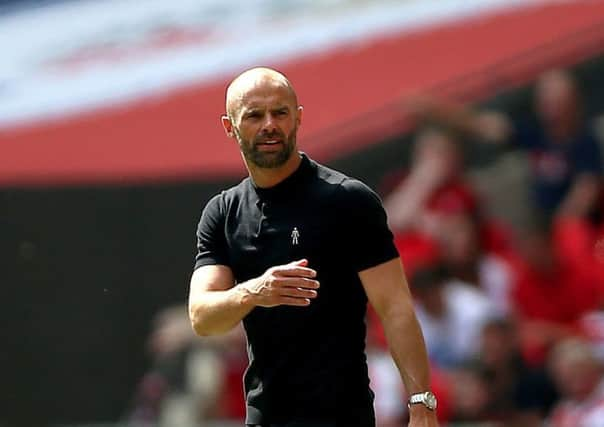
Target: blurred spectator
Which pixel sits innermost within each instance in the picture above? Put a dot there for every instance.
(521, 395)
(579, 377)
(433, 189)
(464, 257)
(451, 314)
(557, 280)
(416, 201)
(564, 152)
(470, 396)
(192, 381)
(390, 396)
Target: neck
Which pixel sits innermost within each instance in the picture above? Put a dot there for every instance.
(564, 127)
(265, 177)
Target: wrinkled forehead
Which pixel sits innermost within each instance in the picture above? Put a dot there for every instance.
(259, 92)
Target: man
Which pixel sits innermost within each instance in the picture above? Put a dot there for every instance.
(295, 251)
(579, 376)
(451, 314)
(564, 154)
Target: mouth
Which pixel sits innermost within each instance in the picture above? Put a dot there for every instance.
(269, 144)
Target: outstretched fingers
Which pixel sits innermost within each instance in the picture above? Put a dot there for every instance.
(290, 270)
(298, 302)
(289, 284)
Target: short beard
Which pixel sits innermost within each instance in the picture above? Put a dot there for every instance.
(267, 160)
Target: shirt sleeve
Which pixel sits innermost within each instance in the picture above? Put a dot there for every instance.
(212, 247)
(367, 240)
(588, 158)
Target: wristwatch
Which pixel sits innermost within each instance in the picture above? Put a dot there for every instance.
(426, 398)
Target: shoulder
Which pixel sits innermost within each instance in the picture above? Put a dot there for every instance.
(587, 152)
(343, 191)
(359, 194)
(328, 175)
(344, 184)
(226, 198)
(588, 137)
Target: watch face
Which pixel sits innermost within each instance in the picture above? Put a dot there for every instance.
(430, 400)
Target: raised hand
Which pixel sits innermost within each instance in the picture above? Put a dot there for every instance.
(289, 284)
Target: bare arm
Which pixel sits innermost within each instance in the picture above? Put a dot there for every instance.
(217, 305)
(582, 197)
(488, 126)
(406, 202)
(387, 291)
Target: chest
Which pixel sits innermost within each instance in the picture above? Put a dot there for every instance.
(555, 162)
(551, 165)
(274, 233)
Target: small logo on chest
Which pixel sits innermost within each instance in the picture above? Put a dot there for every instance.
(295, 236)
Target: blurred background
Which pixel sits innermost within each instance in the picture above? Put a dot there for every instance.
(479, 122)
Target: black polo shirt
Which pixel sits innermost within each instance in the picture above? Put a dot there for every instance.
(306, 363)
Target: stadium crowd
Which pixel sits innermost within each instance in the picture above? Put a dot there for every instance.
(512, 314)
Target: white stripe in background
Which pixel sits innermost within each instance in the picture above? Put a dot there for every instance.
(74, 57)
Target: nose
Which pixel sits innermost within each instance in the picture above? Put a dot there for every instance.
(269, 125)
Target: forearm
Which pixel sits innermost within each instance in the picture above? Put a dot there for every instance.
(441, 110)
(388, 292)
(581, 198)
(216, 305)
(408, 348)
(217, 312)
(488, 126)
(405, 203)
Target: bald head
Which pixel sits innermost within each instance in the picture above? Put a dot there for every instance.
(263, 115)
(254, 79)
(557, 97)
(556, 79)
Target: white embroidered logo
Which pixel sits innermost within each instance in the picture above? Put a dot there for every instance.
(295, 236)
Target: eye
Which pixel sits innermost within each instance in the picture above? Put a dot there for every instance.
(282, 113)
(254, 115)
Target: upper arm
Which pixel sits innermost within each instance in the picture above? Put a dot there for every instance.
(588, 158)
(212, 271)
(587, 181)
(366, 239)
(386, 287)
(211, 278)
(212, 247)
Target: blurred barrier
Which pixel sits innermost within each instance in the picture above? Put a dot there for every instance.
(240, 424)
(177, 136)
(204, 424)
(390, 120)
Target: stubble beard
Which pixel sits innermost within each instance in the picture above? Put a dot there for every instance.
(267, 160)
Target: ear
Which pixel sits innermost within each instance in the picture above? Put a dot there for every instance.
(227, 125)
(299, 110)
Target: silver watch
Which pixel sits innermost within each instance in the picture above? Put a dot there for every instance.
(426, 398)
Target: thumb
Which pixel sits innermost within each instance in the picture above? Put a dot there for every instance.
(301, 262)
